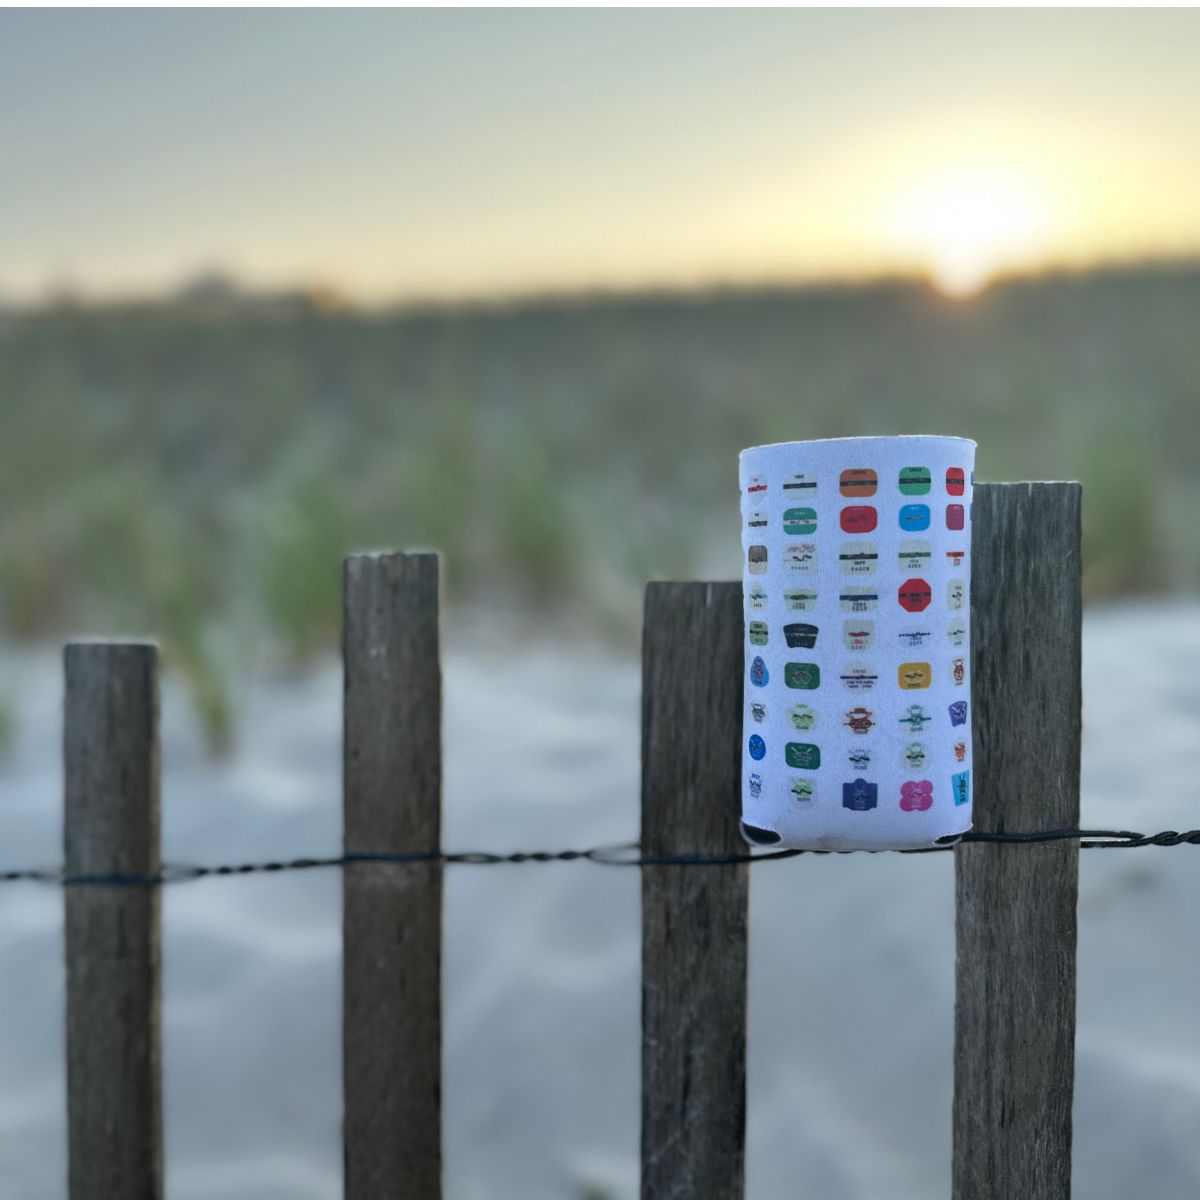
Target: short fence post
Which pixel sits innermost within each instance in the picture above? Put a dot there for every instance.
(694, 918)
(392, 913)
(1014, 1058)
(111, 827)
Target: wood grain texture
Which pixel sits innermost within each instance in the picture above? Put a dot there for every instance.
(392, 914)
(694, 919)
(1014, 1058)
(111, 826)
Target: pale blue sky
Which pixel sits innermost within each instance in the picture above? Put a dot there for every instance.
(451, 152)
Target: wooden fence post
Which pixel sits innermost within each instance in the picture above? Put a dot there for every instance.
(1014, 1058)
(392, 913)
(111, 827)
(694, 919)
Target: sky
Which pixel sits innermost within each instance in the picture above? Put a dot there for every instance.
(404, 154)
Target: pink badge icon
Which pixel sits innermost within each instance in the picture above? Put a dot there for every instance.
(916, 795)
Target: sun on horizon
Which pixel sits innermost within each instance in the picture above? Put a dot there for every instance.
(965, 224)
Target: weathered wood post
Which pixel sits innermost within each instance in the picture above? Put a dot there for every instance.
(111, 827)
(392, 913)
(694, 918)
(1014, 1058)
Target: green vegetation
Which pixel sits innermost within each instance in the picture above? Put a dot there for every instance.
(198, 472)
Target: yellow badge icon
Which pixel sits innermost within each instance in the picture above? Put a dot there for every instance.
(914, 675)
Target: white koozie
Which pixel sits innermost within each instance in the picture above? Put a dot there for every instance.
(857, 586)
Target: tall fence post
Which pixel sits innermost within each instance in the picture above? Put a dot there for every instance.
(694, 919)
(1014, 1058)
(392, 913)
(111, 827)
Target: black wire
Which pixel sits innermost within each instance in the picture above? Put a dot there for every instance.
(626, 855)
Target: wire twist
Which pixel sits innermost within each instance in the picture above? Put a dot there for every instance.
(627, 855)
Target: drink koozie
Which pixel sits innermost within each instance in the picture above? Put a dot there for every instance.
(857, 585)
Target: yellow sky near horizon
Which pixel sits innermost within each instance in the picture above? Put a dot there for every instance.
(452, 154)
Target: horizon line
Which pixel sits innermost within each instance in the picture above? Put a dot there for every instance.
(230, 288)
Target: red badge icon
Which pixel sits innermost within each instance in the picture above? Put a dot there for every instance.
(956, 483)
(916, 795)
(858, 481)
(955, 516)
(861, 518)
(915, 595)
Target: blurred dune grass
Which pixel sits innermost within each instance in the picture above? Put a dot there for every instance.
(195, 467)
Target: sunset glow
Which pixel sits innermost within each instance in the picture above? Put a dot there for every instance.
(473, 154)
(963, 225)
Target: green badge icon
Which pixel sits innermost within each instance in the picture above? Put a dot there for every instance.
(800, 520)
(806, 676)
(802, 790)
(804, 755)
(758, 633)
(757, 596)
(802, 716)
(915, 481)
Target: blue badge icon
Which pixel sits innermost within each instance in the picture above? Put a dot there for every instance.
(958, 712)
(758, 672)
(960, 787)
(860, 795)
(758, 748)
(914, 517)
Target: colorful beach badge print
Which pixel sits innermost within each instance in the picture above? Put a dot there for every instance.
(915, 595)
(802, 717)
(858, 558)
(756, 560)
(914, 517)
(800, 600)
(800, 557)
(916, 795)
(913, 675)
(914, 555)
(803, 755)
(960, 787)
(758, 672)
(858, 599)
(858, 634)
(802, 675)
(955, 516)
(859, 677)
(858, 481)
(955, 482)
(757, 747)
(915, 718)
(799, 520)
(859, 720)
(800, 636)
(915, 481)
(859, 518)
(859, 796)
